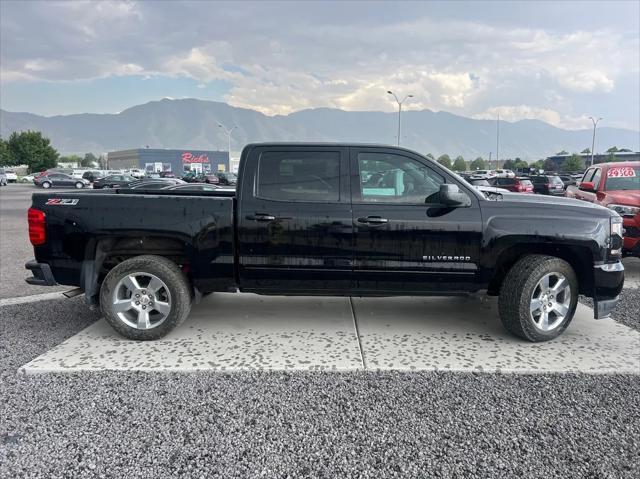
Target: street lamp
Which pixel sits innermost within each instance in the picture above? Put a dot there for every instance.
(228, 132)
(593, 140)
(399, 109)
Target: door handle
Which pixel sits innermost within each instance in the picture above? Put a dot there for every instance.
(373, 220)
(261, 217)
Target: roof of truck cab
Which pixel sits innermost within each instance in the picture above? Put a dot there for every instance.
(331, 144)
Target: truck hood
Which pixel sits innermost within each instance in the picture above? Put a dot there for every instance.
(624, 197)
(544, 201)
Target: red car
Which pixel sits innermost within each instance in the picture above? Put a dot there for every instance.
(515, 185)
(616, 186)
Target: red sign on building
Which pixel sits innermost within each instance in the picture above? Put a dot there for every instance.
(188, 157)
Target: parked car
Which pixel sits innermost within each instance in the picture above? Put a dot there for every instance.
(547, 185)
(568, 180)
(135, 172)
(92, 175)
(11, 175)
(52, 180)
(483, 174)
(515, 185)
(211, 178)
(167, 174)
(157, 184)
(299, 225)
(26, 179)
(226, 178)
(151, 175)
(505, 174)
(193, 177)
(3, 177)
(193, 187)
(616, 186)
(113, 181)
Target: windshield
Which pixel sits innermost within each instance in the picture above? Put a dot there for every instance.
(623, 178)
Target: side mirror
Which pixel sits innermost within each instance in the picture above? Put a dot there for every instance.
(450, 195)
(587, 186)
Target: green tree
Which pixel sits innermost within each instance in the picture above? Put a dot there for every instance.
(430, 156)
(32, 149)
(477, 164)
(459, 164)
(70, 159)
(537, 164)
(586, 151)
(102, 162)
(520, 164)
(509, 165)
(445, 161)
(5, 154)
(563, 152)
(611, 157)
(89, 160)
(613, 149)
(573, 163)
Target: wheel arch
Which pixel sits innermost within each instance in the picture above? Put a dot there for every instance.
(579, 257)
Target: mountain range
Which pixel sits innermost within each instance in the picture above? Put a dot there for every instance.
(193, 124)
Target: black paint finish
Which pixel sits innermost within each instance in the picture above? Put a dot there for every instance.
(307, 245)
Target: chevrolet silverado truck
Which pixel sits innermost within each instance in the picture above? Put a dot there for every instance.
(327, 219)
(616, 186)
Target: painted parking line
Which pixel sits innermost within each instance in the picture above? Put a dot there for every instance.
(34, 298)
(224, 332)
(465, 334)
(244, 331)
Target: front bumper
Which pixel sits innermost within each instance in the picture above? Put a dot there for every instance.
(42, 275)
(608, 282)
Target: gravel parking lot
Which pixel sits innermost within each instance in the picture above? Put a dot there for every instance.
(259, 424)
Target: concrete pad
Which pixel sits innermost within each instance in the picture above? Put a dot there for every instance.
(465, 334)
(224, 332)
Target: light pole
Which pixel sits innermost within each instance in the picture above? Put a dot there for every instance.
(399, 109)
(593, 140)
(228, 132)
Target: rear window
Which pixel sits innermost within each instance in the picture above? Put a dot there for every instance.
(555, 180)
(299, 176)
(526, 183)
(506, 181)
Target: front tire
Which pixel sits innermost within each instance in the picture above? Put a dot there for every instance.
(46, 185)
(79, 185)
(145, 297)
(538, 297)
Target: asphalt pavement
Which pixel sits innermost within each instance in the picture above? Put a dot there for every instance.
(374, 424)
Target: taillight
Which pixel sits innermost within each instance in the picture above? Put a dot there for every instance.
(37, 227)
(519, 188)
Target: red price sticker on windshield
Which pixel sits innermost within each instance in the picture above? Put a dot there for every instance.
(621, 172)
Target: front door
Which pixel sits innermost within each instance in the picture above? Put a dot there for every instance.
(295, 230)
(404, 240)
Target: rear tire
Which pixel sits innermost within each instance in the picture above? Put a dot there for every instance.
(538, 298)
(166, 285)
(46, 185)
(79, 185)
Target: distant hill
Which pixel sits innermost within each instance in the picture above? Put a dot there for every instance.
(192, 123)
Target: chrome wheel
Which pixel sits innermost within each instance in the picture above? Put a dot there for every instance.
(141, 300)
(550, 301)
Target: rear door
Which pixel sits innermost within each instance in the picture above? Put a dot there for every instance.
(404, 240)
(295, 231)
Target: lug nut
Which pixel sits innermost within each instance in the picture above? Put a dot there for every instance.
(137, 295)
(144, 292)
(137, 302)
(144, 307)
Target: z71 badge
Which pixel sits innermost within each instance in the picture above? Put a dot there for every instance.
(62, 201)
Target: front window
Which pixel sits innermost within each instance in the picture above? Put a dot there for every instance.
(623, 178)
(392, 178)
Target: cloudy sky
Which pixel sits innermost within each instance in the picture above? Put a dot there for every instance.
(556, 61)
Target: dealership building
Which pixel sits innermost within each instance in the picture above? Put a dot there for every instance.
(176, 161)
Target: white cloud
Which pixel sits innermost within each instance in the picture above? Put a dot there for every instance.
(527, 112)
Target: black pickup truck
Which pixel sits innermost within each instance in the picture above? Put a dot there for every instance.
(328, 219)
